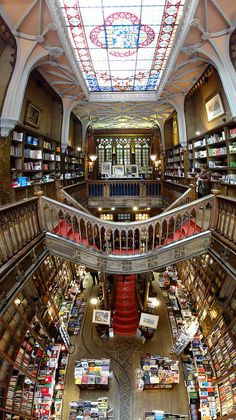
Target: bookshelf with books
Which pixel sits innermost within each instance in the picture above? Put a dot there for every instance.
(175, 162)
(92, 373)
(43, 398)
(73, 164)
(60, 384)
(217, 310)
(215, 150)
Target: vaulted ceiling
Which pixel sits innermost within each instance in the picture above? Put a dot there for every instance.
(117, 61)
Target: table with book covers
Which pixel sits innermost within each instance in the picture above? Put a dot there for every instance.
(92, 373)
(158, 372)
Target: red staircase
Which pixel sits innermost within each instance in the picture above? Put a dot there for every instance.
(125, 321)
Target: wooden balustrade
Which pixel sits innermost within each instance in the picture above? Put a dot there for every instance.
(19, 224)
(78, 192)
(172, 191)
(125, 238)
(68, 199)
(224, 223)
(124, 188)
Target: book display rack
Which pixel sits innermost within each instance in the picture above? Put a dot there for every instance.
(43, 398)
(76, 315)
(157, 372)
(92, 373)
(60, 384)
(97, 410)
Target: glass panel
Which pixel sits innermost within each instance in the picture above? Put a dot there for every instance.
(119, 46)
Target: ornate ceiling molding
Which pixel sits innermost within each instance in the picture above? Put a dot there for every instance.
(188, 14)
(56, 13)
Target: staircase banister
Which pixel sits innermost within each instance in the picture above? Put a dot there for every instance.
(74, 202)
(133, 225)
(7, 207)
(179, 200)
(74, 186)
(227, 198)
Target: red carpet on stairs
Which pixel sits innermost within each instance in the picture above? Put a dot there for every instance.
(189, 228)
(126, 318)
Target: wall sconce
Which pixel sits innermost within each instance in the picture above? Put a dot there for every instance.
(93, 158)
(153, 157)
(157, 163)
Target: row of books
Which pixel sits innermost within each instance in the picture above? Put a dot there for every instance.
(76, 316)
(45, 390)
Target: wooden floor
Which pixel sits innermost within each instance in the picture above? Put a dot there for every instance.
(125, 353)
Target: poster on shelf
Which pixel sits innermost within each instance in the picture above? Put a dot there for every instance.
(148, 320)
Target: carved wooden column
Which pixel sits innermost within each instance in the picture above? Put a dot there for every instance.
(5, 148)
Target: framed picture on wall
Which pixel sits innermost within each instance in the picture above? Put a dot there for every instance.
(106, 168)
(32, 115)
(131, 170)
(214, 107)
(101, 317)
(118, 170)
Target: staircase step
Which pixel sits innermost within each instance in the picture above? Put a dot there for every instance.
(125, 327)
(120, 318)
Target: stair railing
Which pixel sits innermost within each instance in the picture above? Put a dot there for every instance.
(68, 199)
(127, 238)
(185, 198)
(224, 221)
(19, 224)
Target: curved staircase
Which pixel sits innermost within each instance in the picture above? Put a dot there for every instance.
(126, 318)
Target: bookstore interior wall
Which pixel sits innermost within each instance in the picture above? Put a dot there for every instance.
(195, 109)
(171, 131)
(7, 58)
(41, 96)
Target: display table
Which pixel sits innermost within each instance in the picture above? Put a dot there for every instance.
(92, 373)
(158, 372)
(89, 409)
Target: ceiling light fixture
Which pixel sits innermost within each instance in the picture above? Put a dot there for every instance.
(94, 301)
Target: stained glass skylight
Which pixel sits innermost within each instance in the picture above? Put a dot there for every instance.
(122, 45)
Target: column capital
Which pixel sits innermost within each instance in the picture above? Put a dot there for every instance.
(6, 126)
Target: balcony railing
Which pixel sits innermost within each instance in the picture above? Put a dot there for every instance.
(127, 238)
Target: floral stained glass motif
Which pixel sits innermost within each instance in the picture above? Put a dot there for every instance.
(122, 45)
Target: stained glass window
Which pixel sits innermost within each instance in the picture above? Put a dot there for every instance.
(122, 45)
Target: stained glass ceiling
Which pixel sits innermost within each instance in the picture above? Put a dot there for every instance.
(122, 45)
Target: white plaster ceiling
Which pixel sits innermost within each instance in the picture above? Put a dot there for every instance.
(203, 22)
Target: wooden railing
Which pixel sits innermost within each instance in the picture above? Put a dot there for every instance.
(19, 225)
(78, 192)
(68, 199)
(185, 198)
(126, 238)
(224, 222)
(23, 223)
(124, 188)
